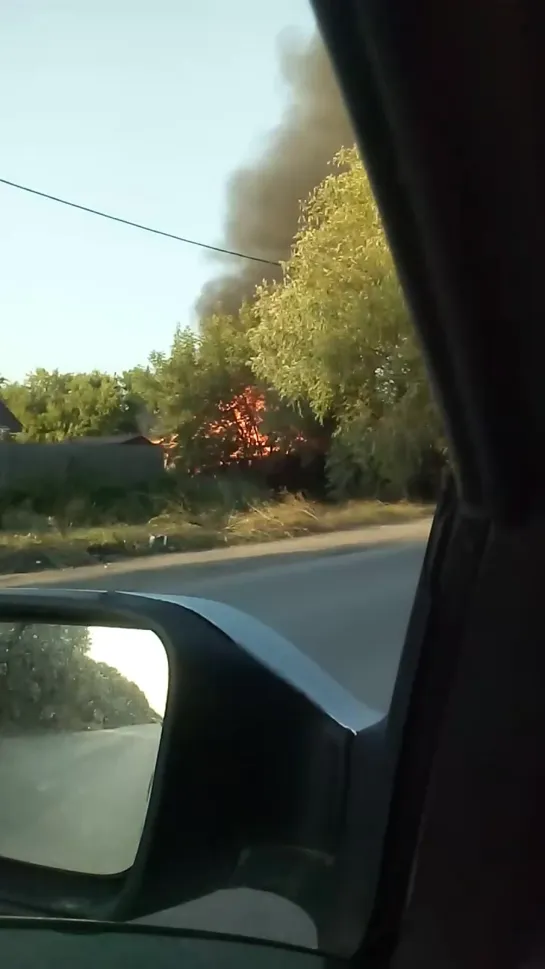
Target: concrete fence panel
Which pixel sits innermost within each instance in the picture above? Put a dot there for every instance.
(29, 467)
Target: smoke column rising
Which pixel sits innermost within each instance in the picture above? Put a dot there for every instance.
(263, 198)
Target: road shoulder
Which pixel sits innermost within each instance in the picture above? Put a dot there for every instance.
(329, 543)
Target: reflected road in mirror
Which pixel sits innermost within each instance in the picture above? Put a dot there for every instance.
(81, 713)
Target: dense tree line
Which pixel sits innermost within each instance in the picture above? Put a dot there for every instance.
(324, 358)
(48, 680)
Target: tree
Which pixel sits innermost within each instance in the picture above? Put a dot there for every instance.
(38, 669)
(335, 332)
(49, 680)
(53, 406)
(203, 392)
(206, 393)
(114, 701)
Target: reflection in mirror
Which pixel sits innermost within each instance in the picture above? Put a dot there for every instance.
(81, 713)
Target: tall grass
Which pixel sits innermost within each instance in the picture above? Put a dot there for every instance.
(186, 514)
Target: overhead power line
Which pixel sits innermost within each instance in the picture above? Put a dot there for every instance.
(138, 225)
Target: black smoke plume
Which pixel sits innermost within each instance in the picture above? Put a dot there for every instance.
(263, 198)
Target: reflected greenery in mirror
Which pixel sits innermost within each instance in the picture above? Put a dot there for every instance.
(81, 711)
(69, 677)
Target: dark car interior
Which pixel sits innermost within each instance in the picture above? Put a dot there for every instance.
(448, 104)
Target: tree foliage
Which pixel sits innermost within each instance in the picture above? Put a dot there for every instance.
(335, 331)
(193, 391)
(49, 680)
(53, 406)
(206, 394)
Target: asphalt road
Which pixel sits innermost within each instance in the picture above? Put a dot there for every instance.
(345, 602)
(348, 611)
(76, 801)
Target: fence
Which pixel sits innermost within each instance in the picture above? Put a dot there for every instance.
(33, 467)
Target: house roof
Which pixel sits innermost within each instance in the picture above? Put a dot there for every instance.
(9, 420)
(113, 439)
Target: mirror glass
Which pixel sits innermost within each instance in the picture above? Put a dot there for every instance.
(81, 714)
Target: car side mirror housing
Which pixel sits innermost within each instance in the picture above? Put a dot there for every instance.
(212, 754)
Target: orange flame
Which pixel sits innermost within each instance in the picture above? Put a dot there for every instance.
(240, 420)
(242, 417)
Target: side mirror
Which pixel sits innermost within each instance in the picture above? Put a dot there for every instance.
(81, 715)
(155, 749)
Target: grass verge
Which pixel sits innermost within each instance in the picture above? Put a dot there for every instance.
(175, 531)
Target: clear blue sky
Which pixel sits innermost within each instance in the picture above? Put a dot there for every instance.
(141, 108)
